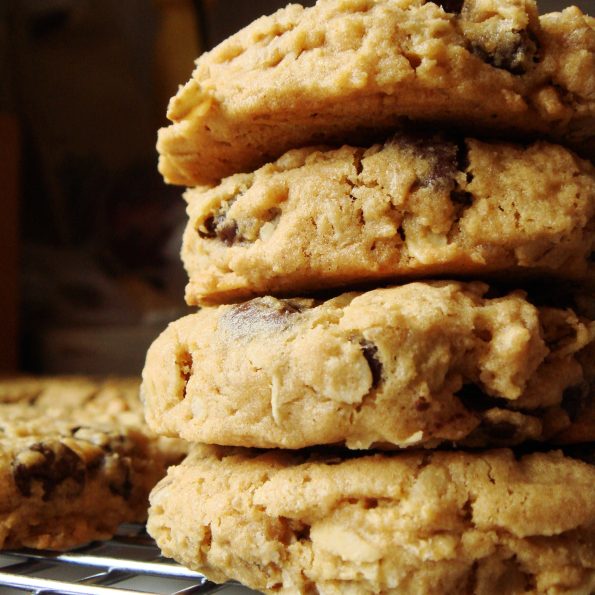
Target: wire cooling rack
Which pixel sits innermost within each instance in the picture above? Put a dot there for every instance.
(128, 564)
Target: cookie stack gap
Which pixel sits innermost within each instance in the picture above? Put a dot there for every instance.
(380, 399)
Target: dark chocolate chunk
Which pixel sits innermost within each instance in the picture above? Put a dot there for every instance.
(421, 404)
(50, 463)
(259, 314)
(228, 232)
(120, 476)
(370, 352)
(454, 6)
(515, 54)
(219, 226)
(439, 153)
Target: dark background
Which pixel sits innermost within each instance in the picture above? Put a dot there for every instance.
(89, 233)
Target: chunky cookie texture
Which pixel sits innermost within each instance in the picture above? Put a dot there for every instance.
(76, 460)
(413, 206)
(347, 70)
(433, 522)
(406, 366)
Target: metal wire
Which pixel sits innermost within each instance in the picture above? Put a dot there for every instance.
(130, 563)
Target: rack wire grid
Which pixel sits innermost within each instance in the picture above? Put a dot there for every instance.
(129, 563)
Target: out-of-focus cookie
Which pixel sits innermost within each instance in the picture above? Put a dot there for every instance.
(431, 522)
(346, 70)
(414, 365)
(76, 460)
(415, 206)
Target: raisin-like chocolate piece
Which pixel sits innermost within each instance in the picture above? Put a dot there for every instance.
(515, 53)
(474, 398)
(461, 198)
(421, 404)
(574, 400)
(440, 154)
(228, 232)
(370, 352)
(454, 6)
(118, 470)
(50, 463)
(259, 314)
(220, 227)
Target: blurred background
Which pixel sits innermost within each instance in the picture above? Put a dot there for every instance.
(89, 233)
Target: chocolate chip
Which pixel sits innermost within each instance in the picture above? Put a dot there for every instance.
(421, 404)
(454, 6)
(118, 469)
(574, 399)
(260, 314)
(219, 226)
(515, 54)
(502, 430)
(475, 399)
(440, 154)
(370, 352)
(50, 463)
(228, 233)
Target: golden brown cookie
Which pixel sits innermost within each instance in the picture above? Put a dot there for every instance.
(432, 522)
(346, 70)
(415, 206)
(415, 365)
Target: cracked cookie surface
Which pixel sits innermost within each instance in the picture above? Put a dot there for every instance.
(347, 70)
(76, 460)
(411, 207)
(433, 522)
(414, 365)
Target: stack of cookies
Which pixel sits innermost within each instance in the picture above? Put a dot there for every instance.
(390, 382)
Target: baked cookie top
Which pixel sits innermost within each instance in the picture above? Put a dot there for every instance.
(416, 205)
(347, 70)
(76, 460)
(414, 365)
(431, 522)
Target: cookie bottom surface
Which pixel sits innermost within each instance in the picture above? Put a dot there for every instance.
(439, 522)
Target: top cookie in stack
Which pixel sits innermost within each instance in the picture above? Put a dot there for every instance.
(347, 70)
(452, 132)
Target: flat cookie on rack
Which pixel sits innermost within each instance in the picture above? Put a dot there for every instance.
(431, 522)
(414, 206)
(347, 70)
(76, 460)
(414, 365)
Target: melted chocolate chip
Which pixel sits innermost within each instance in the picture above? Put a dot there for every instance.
(228, 232)
(440, 154)
(370, 352)
(515, 55)
(475, 399)
(421, 404)
(260, 314)
(50, 463)
(574, 399)
(218, 226)
(119, 470)
(454, 6)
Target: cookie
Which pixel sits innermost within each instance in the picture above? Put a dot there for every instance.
(348, 70)
(415, 206)
(432, 522)
(415, 365)
(72, 471)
